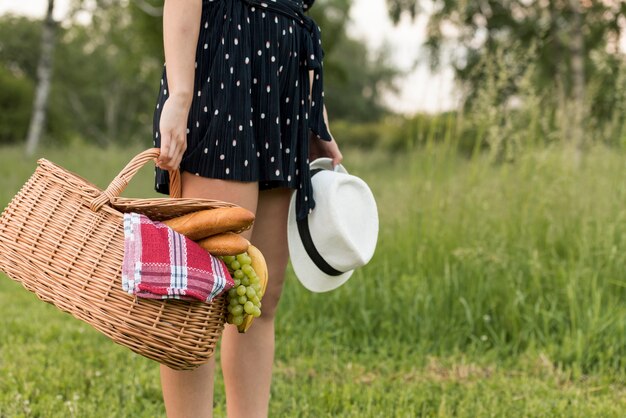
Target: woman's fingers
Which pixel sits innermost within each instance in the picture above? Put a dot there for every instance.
(173, 156)
(172, 151)
(321, 148)
(334, 152)
(164, 157)
(178, 155)
(337, 159)
(173, 127)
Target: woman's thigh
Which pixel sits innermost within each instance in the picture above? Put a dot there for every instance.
(244, 194)
(270, 237)
(269, 231)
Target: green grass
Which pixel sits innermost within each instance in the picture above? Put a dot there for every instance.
(495, 290)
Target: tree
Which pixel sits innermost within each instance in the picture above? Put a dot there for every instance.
(44, 78)
(107, 72)
(20, 43)
(354, 80)
(566, 41)
(109, 82)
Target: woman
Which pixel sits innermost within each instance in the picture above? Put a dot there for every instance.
(240, 111)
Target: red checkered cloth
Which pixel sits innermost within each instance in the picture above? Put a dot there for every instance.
(160, 263)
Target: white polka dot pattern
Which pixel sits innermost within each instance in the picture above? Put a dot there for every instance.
(261, 62)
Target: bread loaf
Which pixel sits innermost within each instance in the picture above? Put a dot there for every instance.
(204, 223)
(226, 243)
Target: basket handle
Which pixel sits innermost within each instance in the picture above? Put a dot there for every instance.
(119, 183)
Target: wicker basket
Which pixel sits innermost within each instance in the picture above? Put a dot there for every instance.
(63, 239)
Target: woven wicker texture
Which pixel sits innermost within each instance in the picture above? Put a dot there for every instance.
(63, 239)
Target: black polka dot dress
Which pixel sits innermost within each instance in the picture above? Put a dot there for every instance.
(253, 106)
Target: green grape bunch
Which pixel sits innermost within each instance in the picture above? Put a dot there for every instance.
(245, 297)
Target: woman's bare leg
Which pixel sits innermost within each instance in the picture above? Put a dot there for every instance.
(189, 394)
(247, 358)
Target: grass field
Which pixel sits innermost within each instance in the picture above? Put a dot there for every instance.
(496, 290)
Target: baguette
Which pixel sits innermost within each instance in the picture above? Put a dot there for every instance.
(204, 223)
(226, 243)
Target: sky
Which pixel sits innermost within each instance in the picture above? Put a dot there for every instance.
(421, 89)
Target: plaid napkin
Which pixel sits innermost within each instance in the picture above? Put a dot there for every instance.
(160, 263)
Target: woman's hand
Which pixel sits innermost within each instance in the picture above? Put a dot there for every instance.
(173, 128)
(321, 148)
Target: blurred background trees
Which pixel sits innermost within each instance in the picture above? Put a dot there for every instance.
(553, 66)
(565, 53)
(107, 72)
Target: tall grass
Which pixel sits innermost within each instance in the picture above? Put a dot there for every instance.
(505, 269)
(500, 258)
(483, 258)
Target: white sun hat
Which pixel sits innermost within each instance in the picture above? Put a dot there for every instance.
(339, 235)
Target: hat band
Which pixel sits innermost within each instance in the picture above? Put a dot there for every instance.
(309, 246)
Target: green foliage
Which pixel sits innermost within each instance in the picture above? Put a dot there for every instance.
(365, 136)
(106, 74)
(15, 106)
(109, 83)
(19, 53)
(103, 85)
(355, 93)
(394, 134)
(495, 290)
(148, 27)
(547, 26)
(572, 47)
(502, 126)
(354, 78)
(20, 45)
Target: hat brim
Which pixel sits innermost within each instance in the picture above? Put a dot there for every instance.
(305, 269)
(327, 164)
